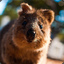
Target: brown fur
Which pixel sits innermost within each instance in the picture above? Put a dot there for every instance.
(15, 49)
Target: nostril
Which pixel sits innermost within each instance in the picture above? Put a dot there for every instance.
(30, 35)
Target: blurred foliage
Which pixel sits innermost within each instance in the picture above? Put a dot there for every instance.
(61, 36)
(11, 12)
(14, 4)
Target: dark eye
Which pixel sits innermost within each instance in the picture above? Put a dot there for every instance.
(41, 26)
(24, 23)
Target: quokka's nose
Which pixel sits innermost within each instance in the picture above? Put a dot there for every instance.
(30, 35)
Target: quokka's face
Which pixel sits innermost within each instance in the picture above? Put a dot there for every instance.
(32, 30)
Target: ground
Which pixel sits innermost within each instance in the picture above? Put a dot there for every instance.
(49, 61)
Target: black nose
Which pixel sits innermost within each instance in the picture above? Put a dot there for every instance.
(30, 35)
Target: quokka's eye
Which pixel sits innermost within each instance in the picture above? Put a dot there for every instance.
(24, 23)
(41, 26)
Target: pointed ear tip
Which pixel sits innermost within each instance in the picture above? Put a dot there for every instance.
(24, 4)
(27, 5)
(52, 12)
(48, 10)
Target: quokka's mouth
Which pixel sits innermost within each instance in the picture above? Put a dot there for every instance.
(29, 41)
(34, 41)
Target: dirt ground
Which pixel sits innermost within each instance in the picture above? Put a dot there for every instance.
(49, 61)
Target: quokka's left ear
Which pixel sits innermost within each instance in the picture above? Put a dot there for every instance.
(48, 14)
(25, 7)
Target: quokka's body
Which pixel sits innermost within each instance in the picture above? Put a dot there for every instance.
(28, 38)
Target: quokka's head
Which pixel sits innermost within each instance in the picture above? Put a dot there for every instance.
(32, 28)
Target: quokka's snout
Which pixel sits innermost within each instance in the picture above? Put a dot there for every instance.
(30, 35)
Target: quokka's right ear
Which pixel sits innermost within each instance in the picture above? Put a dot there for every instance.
(25, 7)
(48, 14)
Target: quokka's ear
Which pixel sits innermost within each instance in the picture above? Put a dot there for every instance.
(48, 14)
(25, 7)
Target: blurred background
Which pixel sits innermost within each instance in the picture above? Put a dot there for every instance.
(8, 12)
